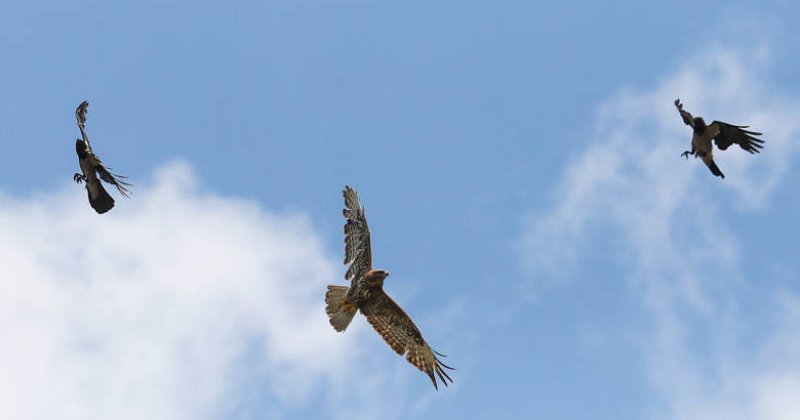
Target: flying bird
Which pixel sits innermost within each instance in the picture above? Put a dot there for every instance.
(724, 135)
(366, 294)
(92, 167)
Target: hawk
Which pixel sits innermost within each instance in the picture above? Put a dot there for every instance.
(92, 167)
(366, 294)
(724, 135)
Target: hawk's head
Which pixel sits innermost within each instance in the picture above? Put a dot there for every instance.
(376, 276)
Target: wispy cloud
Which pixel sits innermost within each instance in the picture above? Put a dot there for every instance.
(670, 217)
(167, 308)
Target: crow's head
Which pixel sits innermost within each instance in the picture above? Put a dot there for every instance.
(699, 124)
(80, 148)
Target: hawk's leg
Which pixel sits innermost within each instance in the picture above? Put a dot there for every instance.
(79, 177)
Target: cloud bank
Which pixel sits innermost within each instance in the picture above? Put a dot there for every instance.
(677, 244)
(178, 304)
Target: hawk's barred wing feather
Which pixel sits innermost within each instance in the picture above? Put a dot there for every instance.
(400, 333)
(357, 251)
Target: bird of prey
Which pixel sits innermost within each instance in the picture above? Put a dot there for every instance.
(92, 167)
(724, 135)
(366, 294)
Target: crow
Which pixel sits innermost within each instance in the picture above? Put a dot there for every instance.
(92, 167)
(724, 135)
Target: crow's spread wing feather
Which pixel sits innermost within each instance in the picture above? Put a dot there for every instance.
(113, 179)
(725, 134)
(80, 116)
(687, 117)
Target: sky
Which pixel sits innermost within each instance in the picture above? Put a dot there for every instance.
(520, 167)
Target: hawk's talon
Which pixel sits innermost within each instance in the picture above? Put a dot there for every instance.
(78, 177)
(685, 154)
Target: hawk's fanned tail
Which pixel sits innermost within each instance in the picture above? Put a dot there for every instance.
(340, 311)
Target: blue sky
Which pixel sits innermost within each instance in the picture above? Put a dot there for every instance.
(519, 163)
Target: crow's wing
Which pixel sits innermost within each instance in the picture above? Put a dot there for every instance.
(80, 116)
(113, 179)
(687, 117)
(725, 134)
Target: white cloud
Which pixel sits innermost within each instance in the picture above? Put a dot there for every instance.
(160, 308)
(681, 253)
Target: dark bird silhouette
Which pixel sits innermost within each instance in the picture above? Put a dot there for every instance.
(366, 294)
(92, 168)
(723, 134)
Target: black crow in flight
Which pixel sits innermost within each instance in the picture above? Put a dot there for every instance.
(92, 167)
(724, 135)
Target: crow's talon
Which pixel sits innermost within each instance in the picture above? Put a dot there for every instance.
(78, 178)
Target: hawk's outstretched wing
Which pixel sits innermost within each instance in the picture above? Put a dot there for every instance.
(687, 117)
(400, 333)
(725, 134)
(357, 250)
